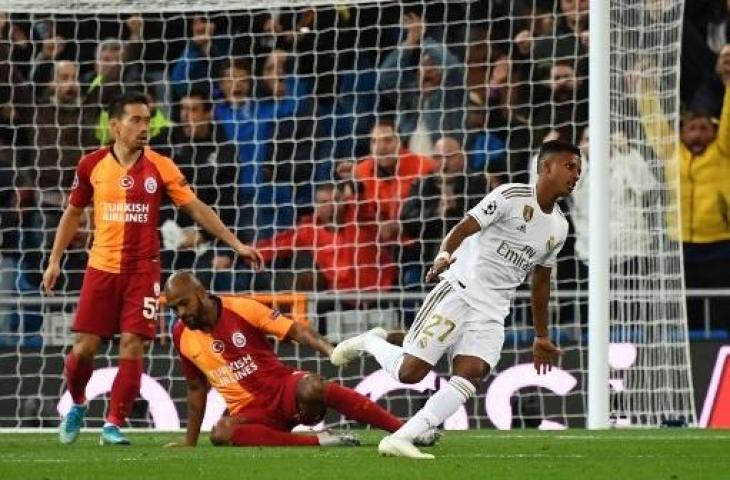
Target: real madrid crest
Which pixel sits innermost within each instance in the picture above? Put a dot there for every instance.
(527, 213)
(550, 244)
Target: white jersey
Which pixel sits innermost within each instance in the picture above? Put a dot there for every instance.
(515, 236)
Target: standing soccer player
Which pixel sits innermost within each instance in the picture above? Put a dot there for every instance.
(515, 230)
(126, 184)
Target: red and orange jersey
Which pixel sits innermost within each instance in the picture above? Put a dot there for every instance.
(126, 205)
(236, 358)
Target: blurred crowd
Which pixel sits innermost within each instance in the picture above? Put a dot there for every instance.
(342, 141)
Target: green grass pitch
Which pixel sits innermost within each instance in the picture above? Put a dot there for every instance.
(575, 454)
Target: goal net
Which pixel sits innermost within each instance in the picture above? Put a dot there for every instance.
(344, 140)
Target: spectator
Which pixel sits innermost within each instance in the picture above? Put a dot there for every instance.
(254, 123)
(286, 110)
(704, 190)
(436, 203)
(197, 59)
(15, 41)
(565, 107)
(568, 40)
(387, 175)
(340, 240)
(234, 113)
(422, 82)
(485, 151)
(704, 33)
(207, 161)
(508, 121)
(62, 130)
(41, 74)
(115, 66)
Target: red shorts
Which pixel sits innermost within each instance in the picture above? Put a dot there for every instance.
(280, 412)
(118, 302)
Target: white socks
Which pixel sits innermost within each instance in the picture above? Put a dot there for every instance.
(389, 356)
(438, 408)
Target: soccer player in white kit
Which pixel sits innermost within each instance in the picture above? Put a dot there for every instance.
(515, 230)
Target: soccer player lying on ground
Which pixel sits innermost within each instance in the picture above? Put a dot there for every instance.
(515, 230)
(126, 184)
(222, 343)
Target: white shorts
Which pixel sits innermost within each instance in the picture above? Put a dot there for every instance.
(446, 322)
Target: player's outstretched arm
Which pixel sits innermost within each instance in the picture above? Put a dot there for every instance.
(67, 228)
(466, 227)
(544, 352)
(304, 335)
(211, 223)
(197, 398)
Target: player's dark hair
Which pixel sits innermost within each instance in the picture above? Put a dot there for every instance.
(555, 146)
(116, 106)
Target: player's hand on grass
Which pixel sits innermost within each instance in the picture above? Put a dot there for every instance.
(440, 264)
(50, 276)
(544, 353)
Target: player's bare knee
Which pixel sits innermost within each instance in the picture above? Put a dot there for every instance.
(412, 373)
(311, 389)
(85, 345)
(221, 432)
(473, 370)
(131, 346)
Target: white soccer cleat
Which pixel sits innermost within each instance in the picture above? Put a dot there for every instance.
(428, 439)
(392, 446)
(327, 439)
(348, 350)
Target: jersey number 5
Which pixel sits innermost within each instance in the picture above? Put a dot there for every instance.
(149, 308)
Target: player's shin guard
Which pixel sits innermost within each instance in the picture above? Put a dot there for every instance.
(78, 373)
(358, 407)
(124, 390)
(438, 408)
(250, 435)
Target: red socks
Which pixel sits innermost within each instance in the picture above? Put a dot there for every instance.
(246, 435)
(359, 407)
(78, 373)
(124, 390)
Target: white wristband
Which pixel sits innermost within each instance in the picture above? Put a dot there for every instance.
(443, 254)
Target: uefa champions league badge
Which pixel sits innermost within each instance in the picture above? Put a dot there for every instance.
(75, 182)
(150, 184)
(238, 339)
(156, 289)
